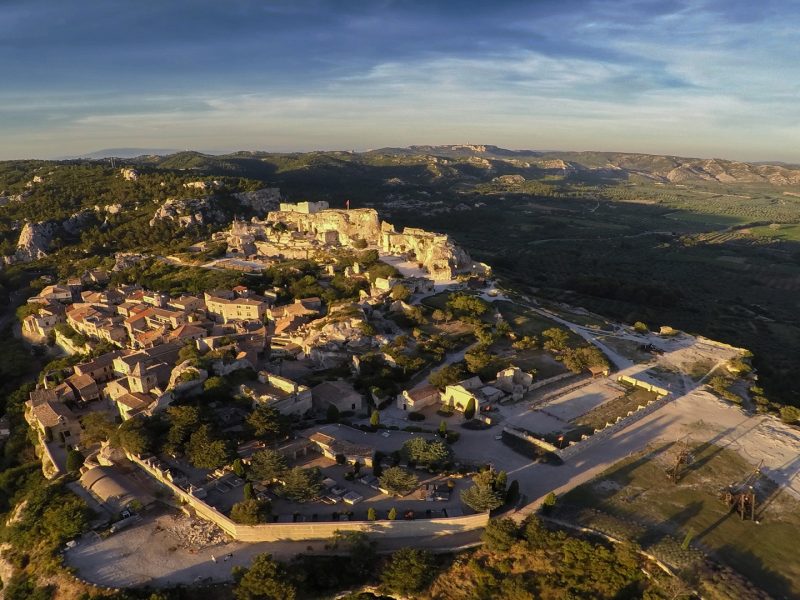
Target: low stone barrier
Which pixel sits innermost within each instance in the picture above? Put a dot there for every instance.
(524, 435)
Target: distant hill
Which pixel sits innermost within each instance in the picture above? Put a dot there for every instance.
(125, 153)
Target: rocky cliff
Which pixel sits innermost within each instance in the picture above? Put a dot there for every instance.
(215, 209)
(260, 201)
(34, 241)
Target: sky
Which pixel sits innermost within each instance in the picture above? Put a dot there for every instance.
(710, 78)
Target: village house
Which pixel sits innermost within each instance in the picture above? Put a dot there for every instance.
(53, 419)
(332, 446)
(338, 393)
(100, 369)
(285, 395)
(53, 293)
(514, 381)
(85, 388)
(235, 309)
(458, 395)
(418, 398)
(40, 324)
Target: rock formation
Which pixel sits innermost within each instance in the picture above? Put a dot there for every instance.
(260, 201)
(34, 241)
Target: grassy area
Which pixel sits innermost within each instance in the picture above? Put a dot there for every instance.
(539, 360)
(618, 407)
(527, 322)
(638, 495)
(779, 232)
(707, 219)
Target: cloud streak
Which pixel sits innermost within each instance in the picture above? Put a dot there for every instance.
(698, 78)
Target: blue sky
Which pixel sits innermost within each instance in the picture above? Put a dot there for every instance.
(693, 78)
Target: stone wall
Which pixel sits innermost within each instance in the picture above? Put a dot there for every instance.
(273, 532)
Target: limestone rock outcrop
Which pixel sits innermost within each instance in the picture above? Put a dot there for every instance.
(185, 211)
(34, 241)
(260, 201)
(343, 226)
(76, 222)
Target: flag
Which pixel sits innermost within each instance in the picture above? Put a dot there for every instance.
(347, 204)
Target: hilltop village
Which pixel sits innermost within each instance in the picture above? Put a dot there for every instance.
(393, 388)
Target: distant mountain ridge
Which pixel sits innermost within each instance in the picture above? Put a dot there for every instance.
(484, 157)
(656, 167)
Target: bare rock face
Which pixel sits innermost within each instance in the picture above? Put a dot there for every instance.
(186, 377)
(260, 201)
(34, 241)
(437, 253)
(187, 211)
(76, 222)
(125, 260)
(358, 223)
(509, 179)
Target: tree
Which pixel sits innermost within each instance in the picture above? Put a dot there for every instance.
(527, 342)
(477, 359)
(205, 451)
(501, 481)
(512, 494)
(487, 492)
(400, 292)
(790, 414)
(398, 481)
(301, 485)
(97, 427)
(578, 359)
(470, 305)
(447, 375)
(556, 339)
(371, 514)
(183, 421)
(267, 465)
(549, 502)
(438, 315)
(424, 452)
(469, 410)
(409, 572)
(248, 492)
(133, 436)
(267, 422)
(247, 512)
(375, 418)
(216, 386)
(238, 467)
(188, 352)
(443, 429)
(500, 534)
(361, 552)
(74, 460)
(332, 415)
(266, 579)
(392, 516)
(640, 327)
(485, 335)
